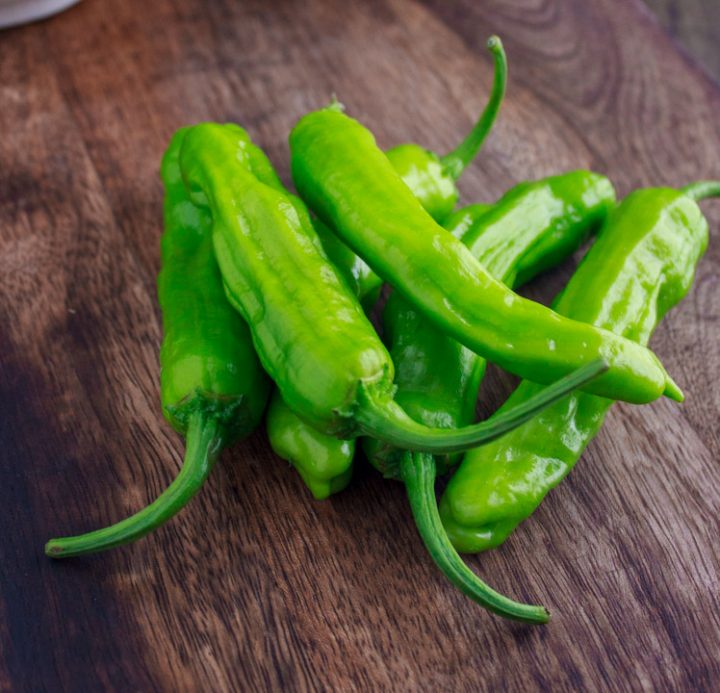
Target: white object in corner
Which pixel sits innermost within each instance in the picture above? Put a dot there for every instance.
(14, 12)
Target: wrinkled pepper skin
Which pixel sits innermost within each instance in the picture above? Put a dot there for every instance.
(432, 180)
(213, 388)
(309, 331)
(268, 255)
(641, 265)
(437, 378)
(323, 461)
(345, 178)
(566, 206)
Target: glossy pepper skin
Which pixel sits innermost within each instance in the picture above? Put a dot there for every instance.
(309, 331)
(641, 265)
(325, 462)
(534, 226)
(459, 222)
(446, 394)
(213, 388)
(344, 177)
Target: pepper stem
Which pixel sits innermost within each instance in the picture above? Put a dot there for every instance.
(455, 161)
(385, 420)
(418, 473)
(204, 443)
(701, 189)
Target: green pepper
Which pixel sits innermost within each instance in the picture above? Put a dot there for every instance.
(213, 388)
(446, 396)
(308, 329)
(351, 185)
(555, 216)
(431, 178)
(325, 462)
(641, 265)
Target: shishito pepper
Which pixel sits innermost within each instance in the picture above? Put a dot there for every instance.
(438, 378)
(431, 178)
(325, 462)
(213, 388)
(308, 329)
(345, 178)
(641, 265)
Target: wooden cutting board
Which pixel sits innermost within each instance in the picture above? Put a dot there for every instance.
(255, 585)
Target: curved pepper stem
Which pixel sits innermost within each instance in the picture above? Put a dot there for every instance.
(701, 189)
(387, 421)
(204, 443)
(455, 161)
(418, 474)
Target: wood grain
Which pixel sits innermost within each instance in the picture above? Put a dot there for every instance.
(256, 586)
(694, 23)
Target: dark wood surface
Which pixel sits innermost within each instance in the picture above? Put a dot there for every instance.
(695, 23)
(257, 586)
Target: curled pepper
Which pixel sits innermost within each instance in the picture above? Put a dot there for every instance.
(641, 265)
(213, 388)
(325, 462)
(573, 205)
(345, 178)
(308, 329)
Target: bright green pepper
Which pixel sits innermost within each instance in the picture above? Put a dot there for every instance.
(431, 178)
(558, 214)
(460, 222)
(642, 265)
(446, 396)
(213, 388)
(344, 177)
(308, 329)
(324, 462)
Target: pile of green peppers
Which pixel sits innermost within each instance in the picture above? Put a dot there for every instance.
(266, 298)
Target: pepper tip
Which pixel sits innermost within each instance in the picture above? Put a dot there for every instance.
(673, 391)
